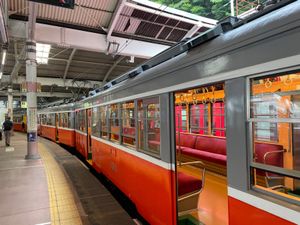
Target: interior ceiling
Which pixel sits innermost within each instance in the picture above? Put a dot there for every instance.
(94, 16)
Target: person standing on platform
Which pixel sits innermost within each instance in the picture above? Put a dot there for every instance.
(7, 128)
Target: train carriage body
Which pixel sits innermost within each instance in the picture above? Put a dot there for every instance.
(231, 102)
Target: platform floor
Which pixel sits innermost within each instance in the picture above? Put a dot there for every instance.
(56, 189)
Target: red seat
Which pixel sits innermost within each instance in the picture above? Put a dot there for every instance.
(211, 144)
(186, 140)
(203, 155)
(187, 184)
(270, 154)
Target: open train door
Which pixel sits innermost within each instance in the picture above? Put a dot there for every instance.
(199, 126)
(89, 133)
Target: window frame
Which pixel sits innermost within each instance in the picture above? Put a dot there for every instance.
(122, 135)
(151, 153)
(250, 141)
(98, 120)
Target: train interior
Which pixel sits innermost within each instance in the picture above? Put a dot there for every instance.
(274, 128)
(201, 155)
(273, 123)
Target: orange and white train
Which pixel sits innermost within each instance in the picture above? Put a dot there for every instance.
(207, 131)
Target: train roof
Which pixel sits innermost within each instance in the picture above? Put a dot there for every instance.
(232, 45)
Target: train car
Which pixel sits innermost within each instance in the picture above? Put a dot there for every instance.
(207, 131)
(20, 122)
(58, 124)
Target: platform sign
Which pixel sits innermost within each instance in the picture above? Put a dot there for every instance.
(32, 119)
(23, 104)
(62, 3)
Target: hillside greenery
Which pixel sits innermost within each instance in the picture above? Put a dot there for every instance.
(214, 9)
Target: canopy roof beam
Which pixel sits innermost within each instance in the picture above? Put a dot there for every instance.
(68, 64)
(83, 40)
(115, 17)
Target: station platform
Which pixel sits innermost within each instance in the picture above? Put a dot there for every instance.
(57, 189)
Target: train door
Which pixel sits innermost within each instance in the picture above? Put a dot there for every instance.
(199, 127)
(296, 139)
(89, 133)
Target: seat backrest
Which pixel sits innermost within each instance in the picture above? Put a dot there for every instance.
(186, 140)
(211, 144)
(268, 153)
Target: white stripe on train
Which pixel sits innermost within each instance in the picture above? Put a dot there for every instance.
(265, 205)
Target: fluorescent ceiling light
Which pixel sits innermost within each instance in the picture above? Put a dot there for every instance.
(1, 73)
(42, 53)
(3, 56)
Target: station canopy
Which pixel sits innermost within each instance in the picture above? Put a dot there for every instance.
(93, 43)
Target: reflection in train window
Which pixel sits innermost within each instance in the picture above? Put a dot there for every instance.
(96, 122)
(149, 125)
(114, 122)
(128, 123)
(274, 125)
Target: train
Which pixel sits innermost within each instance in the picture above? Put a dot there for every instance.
(206, 132)
(20, 121)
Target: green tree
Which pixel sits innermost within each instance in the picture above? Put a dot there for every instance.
(215, 9)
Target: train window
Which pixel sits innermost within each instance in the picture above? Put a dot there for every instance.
(128, 123)
(114, 122)
(199, 121)
(104, 124)
(218, 119)
(276, 183)
(43, 119)
(64, 120)
(81, 120)
(274, 125)
(96, 122)
(181, 118)
(51, 119)
(77, 120)
(149, 125)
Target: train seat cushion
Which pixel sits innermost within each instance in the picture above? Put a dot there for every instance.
(188, 184)
(204, 155)
(186, 140)
(211, 144)
(268, 153)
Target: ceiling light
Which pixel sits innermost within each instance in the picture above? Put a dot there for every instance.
(1, 73)
(42, 53)
(3, 56)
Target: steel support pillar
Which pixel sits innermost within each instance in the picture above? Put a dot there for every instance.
(10, 103)
(31, 82)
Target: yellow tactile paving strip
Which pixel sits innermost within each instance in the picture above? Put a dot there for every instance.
(62, 204)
